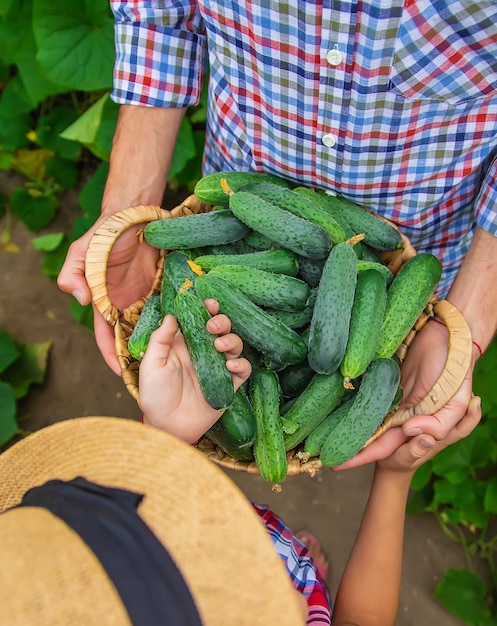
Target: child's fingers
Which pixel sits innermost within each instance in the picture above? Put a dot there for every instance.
(161, 339)
(219, 324)
(230, 344)
(212, 306)
(240, 369)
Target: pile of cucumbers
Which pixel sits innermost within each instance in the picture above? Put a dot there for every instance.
(301, 276)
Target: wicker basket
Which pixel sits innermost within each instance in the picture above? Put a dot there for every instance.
(123, 322)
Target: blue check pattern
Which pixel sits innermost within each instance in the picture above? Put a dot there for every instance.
(390, 103)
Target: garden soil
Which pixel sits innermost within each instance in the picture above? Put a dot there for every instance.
(78, 383)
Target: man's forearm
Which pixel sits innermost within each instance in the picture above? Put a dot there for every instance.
(141, 156)
(473, 291)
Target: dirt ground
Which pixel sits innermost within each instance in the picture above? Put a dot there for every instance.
(78, 383)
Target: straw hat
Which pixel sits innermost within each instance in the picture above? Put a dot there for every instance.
(49, 575)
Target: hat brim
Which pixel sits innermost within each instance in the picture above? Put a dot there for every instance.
(208, 526)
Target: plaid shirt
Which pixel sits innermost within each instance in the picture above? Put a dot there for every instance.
(390, 103)
(300, 567)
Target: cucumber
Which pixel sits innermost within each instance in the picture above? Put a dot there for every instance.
(364, 265)
(368, 409)
(365, 324)
(251, 323)
(213, 376)
(310, 270)
(208, 189)
(178, 267)
(227, 248)
(318, 436)
(295, 378)
(378, 233)
(286, 229)
(196, 230)
(234, 432)
(296, 319)
(408, 295)
(258, 241)
(277, 261)
(330, 321)
(319, 197)
(149, 320)
(299, 204)
(167, 296)
(269, 448)
(266, 288)
(319, 398)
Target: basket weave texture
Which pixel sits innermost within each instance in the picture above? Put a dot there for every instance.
(123, 322)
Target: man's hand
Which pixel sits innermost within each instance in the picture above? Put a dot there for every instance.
(170, 396)
(130, 272)
(423, 364)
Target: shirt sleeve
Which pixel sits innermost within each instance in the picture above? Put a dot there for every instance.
(486, 202)
(160, 53)
(301, 569)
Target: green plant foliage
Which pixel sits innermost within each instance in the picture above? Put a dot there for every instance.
(35, 212)
(21, 365)
(75, 44)
(459, 486)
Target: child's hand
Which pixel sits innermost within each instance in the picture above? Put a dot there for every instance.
(417, 450)
(170, 396)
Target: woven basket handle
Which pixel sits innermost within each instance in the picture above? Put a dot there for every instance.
(99, 250)
(452, 376)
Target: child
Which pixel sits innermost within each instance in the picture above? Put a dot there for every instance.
(368, 593)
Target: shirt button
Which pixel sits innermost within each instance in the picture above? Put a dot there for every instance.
(329, 140)
(334, 57)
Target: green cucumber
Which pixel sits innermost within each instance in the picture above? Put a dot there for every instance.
(277, 261)
(295, 378)
(266, 288)
(296, 319)
(365, 324)
(213, 376)
(286, 229)
(258, 241)
(330, 321)
(310, 270)
(319, 398)
(234, 432)
(167, 296)
(364, 265)
(319, 197)
(408, 295)
(196, 230)
(367, 411)
(269, 448)
(178, 267)
(318, 436)
(251, 323)
(378, 233)
(301, 205)
(149, 320)
(208, 189)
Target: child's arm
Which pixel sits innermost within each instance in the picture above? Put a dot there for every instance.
(170, 396)
(369, 591)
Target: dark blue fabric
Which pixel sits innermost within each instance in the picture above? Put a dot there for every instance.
(148, 581)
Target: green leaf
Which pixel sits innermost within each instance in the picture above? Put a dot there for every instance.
(9, 351)
(422, 476)
(184, 149)
(76, 47)
(29, 368)
(420, 501)
(82, 314)
(64, 172)
(14, 100)
(13, 132)
(446, 492)
(490, 500)
(8, 410)
(35, 213)
(3, 202)
(463, 593)
(48, 243)
(5, 6)
(84, 129)
(49, 128)
(53, 261)
(90, 200)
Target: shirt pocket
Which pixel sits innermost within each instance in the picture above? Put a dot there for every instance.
(446, 50)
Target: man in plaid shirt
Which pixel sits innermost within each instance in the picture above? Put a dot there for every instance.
(390, 103)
